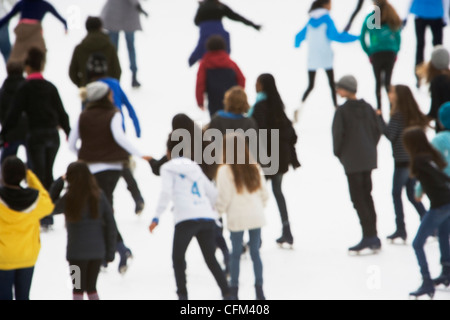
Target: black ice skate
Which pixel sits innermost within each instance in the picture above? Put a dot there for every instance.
(372, 243)
(286, 237)
(444, 278)
(427, 288)
(399, 234)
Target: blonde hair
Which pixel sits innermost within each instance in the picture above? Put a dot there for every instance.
(236, 101)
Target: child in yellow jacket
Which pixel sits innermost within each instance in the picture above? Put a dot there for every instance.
(21, 209)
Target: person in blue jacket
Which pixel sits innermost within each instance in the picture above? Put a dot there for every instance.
(433, 14)
(319, 32)
(97, 69)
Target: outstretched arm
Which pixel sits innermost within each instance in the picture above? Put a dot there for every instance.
(301, 36)
(53, 11)
(334, 35)
(237, 17)
(355, 13)
(16, 9)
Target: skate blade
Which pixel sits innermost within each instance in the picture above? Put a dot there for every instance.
(287, 246)
(417, 297)
(364, 252)
(402, 242)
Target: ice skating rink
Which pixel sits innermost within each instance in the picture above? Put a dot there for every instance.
(323, 221)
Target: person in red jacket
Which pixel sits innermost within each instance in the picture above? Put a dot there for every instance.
(216, 74)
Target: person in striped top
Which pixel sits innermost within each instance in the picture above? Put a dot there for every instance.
(405, 112)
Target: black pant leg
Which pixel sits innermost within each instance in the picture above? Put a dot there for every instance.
(332, 83)
(312, 80)
(421, 26)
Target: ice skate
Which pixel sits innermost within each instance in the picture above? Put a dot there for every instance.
(373, 244)
(125, 255)
(427, 288)
(399, 234)
(444, 278)
(286, 239)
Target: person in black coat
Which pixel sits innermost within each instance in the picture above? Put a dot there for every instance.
(39, 100)
(91, 227)
(270, 115)
(16, 137)
(356, 133)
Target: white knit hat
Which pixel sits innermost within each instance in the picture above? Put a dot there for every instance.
(96, 90)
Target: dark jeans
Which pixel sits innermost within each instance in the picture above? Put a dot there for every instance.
(437, 29)
(222, 244)
(402, 180)
(43, 146)
(107, 181)
(129, 38)
(88, 275)
(19, 280)
(360, 187)
(438, 218)
(312, 80)
(383, 65)
(12, 149)
(5, 43)
(205, 232)
(277, 182)
(132, 185)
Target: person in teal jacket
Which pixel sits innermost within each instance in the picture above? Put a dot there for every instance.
(382, 44)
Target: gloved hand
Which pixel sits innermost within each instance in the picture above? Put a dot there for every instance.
(257, 27)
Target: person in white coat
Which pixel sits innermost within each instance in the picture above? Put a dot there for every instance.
(242, 199)
(124, 15)
(193, 196)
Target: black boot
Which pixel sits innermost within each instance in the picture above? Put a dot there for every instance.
(399, 234)
(286, 236)
(444, 278)
(372, 243)
(427, 288)
(125, 254)
(134, 82)
(259, 293)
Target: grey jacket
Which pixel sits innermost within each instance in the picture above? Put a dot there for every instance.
(356, 133)
(121, 15)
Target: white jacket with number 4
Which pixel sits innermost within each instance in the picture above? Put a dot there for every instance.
(244, 211)
(185, 185)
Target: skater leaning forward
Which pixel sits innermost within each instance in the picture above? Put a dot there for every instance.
(356, 134)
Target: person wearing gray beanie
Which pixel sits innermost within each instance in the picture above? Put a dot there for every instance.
(437, 74)
(96, 91)
(348, 83)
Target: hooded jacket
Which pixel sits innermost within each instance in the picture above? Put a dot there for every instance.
(20, 213)
(319, 32)
(356, 133)
(380, 39)
(185, 185)
(95, 41)
(216, 74)
(430, 9)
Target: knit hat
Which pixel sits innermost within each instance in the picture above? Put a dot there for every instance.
(440, 58)
(348, 83)
(96, 90)
(444, 115)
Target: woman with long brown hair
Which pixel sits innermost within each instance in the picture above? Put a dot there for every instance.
(427, 165)
(242, 197)
(436, 73)
(91, 228)
(405, 112)
(384, 44)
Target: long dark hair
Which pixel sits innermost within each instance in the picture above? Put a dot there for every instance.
(388, 15)
(183, 121)
(82, 191)
(274, 101)
(407, 105)
(317, 4)
(416, 144)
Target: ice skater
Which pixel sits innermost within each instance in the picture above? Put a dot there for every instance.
(427, 165)
(208, 18)
(319, 32)
(382, 45)
(356, 134)
(405, 112)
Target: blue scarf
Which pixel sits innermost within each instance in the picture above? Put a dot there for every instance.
(260, 96)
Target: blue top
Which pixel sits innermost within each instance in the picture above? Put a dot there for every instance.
(428, 9)
(34, 10)
(121, 99)
(319, 32)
